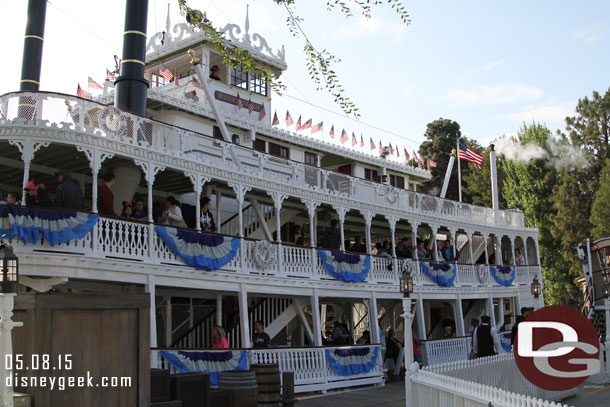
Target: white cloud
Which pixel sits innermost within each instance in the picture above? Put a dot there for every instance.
(495, 94)
(492, 65)
(591, 33)
(366, 27)
(546, 113)
(407, 90)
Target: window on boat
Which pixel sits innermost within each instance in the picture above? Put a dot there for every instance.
(371, 175)
(397, 181)
(259, 145)
(345, 169)
(249, 81)
(311, 159)
(235, 139)
(239, 78)
(279, 151)
(258, 84)
(217, 134)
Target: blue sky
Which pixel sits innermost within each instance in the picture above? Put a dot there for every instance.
(487, 65)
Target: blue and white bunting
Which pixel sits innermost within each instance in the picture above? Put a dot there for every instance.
(504, 275)
(55, 226)
(442, 274)
(212, 362)
(202, 251)
(352, 361)
(348, 267)
(505, 342)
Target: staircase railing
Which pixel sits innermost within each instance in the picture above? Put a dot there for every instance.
(199, 336)
(250, 221)
(266, 312)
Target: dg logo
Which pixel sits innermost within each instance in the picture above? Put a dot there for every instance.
(557, 348)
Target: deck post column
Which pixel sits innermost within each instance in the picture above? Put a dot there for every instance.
(407, 306)
(28, 148)
(392, 220)
(368, 220)
(218, 211)
(490, 307)
(434, 243)
(524, 251)
(453, 241)
(421, 320)
(198, 181)
(341, 211)
(512, 250)
(311, 211)
(150, 171)
(469, 233)
(315, 312)
(486, 243)
(219, 309)
(373, 322)
(240, 192)
(278, 199)
(149, 287)
(168, 322)
(461, 330)
(243, 317)
(414, 226)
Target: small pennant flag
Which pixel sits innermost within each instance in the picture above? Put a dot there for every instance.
(421, 159)
(145, 75)
(289, 120)
(331, 133)
(407, 156)
(262, 114)
(317, 127)
(306, 125)
(373, 146)
(176, 82)
(93, 84)
(298, 125)
(361, 141)
(381, 149)
(240, 104)
(196, 83)
(397, 152)
(275, 121)
(81, 93)
(431, 164)
(354, 139)
(110, 76)
(343, 137)
(250, 106)
(391, 149)
(166, 73)
(415, 156)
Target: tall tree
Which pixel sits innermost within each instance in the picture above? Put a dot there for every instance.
(600, 210)
(442, 135)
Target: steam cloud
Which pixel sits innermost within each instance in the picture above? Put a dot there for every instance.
(560, 156)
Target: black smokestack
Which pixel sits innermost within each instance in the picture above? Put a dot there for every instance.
(131, 86)
(32, 45)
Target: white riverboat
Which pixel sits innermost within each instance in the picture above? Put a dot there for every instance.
(273, 193)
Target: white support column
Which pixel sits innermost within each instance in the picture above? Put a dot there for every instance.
(499, 256)
(168, 322)
(435, 229)
(243, 317)
(240, 194)
(368, 220)
(311, 210)
(469, 233)
(218, 211)
(453, 241)
(6, 342)
(461, 330)
(150, 289)
(524, 251)
(490, 307)
(486, 243)
(315, 312)
(219, 309)
(198, 181)
(512, 249)
(373, 322)
(150, 173)
(96, 158)
(410, 368)
(392, 220)
(278, 199)
(500, 320)
(341, 211)
(414, 227)
(27, 148)
(421, 320)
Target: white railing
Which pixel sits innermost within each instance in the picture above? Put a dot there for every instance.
(312, 372)
(127, 240)
(446, 350)
(497, 371)
(434, 389)
(54, 111)
(267, 311)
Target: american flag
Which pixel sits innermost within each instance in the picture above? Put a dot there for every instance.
(361, 141)
(176, 83)
(431, 163)
(415, 157)
(288, 120)
(343, 137)
(275, 121)
(166, 73)
(82, 93)
(306, 125)
(421, 159)
(196, 83)
(381, 149)
(297, 126)
(331, 133)
(407, 156)
(250, 106)
(372, 145)
(391, 149)
(317, 127)
(110, 76)
(240, 104)
(262, 113)
(93, 84)
(397, 152)
(470, 155)
(354, 139)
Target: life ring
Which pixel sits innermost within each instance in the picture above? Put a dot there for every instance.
(482, 273)
(264, 254)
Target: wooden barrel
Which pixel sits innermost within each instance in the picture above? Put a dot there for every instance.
(242, 385)
(269, 384)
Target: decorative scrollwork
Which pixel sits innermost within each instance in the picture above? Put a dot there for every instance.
(113, 120)
(264, 254)
(482, 273)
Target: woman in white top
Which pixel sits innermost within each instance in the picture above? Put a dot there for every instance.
(173, 215)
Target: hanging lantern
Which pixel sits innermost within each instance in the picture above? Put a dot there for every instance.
(606, 286)
(406, 282)
(9, 267)
(536, 288)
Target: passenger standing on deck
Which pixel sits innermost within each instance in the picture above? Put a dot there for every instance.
(218, 338)
(260, 339)
(485, 341)
(140, 212)
(518, 258)
(37, 195)
(12, 199)
(173, 214)
(68, 195)
(332, 236)
(105, 197)
(207, 220)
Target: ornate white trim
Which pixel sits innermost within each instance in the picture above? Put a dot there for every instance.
(264, 254)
